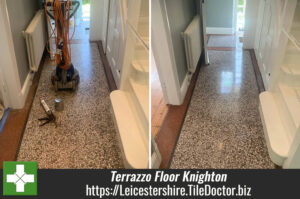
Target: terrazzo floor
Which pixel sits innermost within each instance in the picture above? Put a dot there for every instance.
(222, 128)
(85, 136)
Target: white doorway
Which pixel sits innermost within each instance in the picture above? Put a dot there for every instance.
(240, 15)
(86, 11)
(82, 21)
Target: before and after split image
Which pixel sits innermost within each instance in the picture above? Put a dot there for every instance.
(150, 84)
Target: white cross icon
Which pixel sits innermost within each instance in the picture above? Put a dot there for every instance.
(20, 178)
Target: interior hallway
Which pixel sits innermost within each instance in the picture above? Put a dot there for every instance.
(222, 128)
(85, 136)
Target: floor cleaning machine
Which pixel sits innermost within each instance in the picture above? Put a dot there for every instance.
(65, 77)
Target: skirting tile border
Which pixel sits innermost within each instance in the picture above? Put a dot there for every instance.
(259, 80)
(222, 48)
(109, 76)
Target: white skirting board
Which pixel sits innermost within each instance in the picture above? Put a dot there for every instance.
(219, 30)
(26, 87)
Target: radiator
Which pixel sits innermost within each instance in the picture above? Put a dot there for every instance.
(193, 43)
(35, 36)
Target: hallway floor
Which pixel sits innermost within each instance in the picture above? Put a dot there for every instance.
(222, 128)
(85, 136)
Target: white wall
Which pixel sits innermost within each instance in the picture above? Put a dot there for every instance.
(96, 22)
(180, 13)
(8, 64)
(99, 21)
(20, 15)
(104, 23)
(252, 8)
(220, 16)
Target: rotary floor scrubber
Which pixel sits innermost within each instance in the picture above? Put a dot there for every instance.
(65, 76)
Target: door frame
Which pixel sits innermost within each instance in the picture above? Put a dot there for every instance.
(13, 93)
(234, 16)
(95, 23)
(163, 51)
(99, 21)
(104, 33)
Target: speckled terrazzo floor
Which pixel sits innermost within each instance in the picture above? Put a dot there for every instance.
(85, 136)
(222, 128)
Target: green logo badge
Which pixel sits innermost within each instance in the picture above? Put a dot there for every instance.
(20, 178)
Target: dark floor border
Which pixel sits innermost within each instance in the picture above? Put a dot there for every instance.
(109, 75)
(13, 130)
(168, 134)
(221, 48)
(259, 80)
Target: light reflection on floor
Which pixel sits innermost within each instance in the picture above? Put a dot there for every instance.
(231, 80)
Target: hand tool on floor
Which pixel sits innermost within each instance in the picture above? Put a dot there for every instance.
(50, 116)
(65, 77)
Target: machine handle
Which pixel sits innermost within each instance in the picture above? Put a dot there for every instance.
(76, 5)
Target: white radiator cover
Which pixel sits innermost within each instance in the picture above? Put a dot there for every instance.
(193, 43)
(35, 36)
